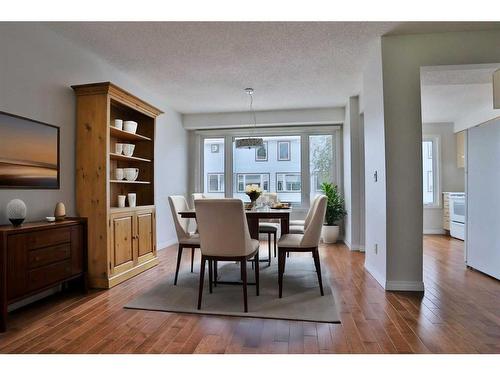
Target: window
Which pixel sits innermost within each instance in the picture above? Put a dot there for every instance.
(321, 159)
(215, 182)
(288, 182)
(245, 179)
(261, 153)
(213, 164)
(283, 150)
(228, 172)
(430, 163)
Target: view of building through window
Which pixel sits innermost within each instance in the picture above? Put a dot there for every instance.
(275, 167)
(213, 167)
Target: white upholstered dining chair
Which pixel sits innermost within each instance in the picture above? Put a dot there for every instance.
(224, 236)
(307, 242)
(184, 237)
(299, 226)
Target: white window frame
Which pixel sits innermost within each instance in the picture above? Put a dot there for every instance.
(238, 190)
(220, 182)
(284, 174)
(436, 169)
(278, 148)
(196, 178)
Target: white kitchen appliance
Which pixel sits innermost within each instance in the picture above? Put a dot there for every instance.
(457, 215)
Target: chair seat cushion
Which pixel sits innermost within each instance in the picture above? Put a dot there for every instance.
(297, 222)
(290, 240)
(255, 244)
(193, 239)
(296, 229)
(268, 227)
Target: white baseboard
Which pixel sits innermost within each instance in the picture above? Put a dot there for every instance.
(434, 231)
(165, 244)
(376, 275)
(405, 286)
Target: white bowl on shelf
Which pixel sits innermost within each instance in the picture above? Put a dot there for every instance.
(128, 149)
(130, 126)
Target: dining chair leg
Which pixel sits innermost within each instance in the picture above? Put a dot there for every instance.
(202, 275)
(257, 269)
(269, 247)
(318, 270)
(275, 234)
(192, 259)
(281, 263)
(210, 275)
(244, 278)
(215, 273)
(179, 257)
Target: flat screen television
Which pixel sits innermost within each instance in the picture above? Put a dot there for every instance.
(29, 153)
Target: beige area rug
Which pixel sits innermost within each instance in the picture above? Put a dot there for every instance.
(301, 297)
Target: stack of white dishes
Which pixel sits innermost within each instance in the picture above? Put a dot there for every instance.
(126, 149)
(130, 126)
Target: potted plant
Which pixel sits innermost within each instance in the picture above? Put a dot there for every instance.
(334, 212)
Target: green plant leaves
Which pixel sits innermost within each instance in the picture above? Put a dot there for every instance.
(335, 203)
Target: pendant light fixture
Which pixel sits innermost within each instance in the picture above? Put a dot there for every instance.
(250, 142)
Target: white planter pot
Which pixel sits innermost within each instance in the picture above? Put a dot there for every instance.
(330, 233)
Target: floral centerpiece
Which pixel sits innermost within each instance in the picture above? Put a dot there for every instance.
(253, 192)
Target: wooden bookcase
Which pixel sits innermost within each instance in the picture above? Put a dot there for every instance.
(121, 241)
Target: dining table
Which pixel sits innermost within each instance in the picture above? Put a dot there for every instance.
(254, 215)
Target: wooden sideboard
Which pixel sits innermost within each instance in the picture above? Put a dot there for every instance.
(38, 256)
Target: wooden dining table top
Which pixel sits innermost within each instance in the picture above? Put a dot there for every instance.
(253, 217)
(264, 212)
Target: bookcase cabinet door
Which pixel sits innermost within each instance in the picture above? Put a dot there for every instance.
(145, 234)
(123, 256)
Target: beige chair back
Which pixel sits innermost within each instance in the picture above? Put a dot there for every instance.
(178, 203)
(312, 233)
(223, 227)
(311, 210)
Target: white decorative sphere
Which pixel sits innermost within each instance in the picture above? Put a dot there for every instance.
(16, 209)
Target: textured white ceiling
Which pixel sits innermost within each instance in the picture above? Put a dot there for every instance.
(204, 67)
(456, 93)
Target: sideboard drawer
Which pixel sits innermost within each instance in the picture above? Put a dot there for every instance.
(45, 238)
(46, 275)
(48, 255)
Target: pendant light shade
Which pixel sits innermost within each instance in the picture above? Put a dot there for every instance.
(250, 142)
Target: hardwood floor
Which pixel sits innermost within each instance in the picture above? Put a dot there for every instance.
(459, 313)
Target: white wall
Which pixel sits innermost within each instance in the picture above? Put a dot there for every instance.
(374, 143)
(36, 71)
(317, 116)
(352, 167)
(452, 178)
(402, 58)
